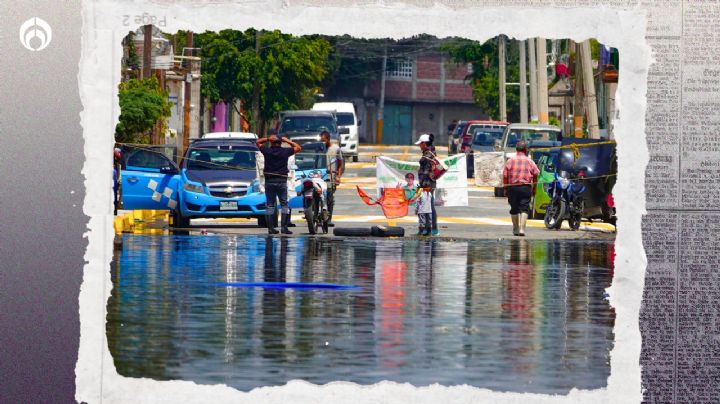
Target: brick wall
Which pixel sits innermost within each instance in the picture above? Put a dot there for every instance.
(427, 91)
(427, 86)
(459, 92)
(428, 67)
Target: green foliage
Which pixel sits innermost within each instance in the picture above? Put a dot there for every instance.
(552, 120)
(485, 75)
(286, 71)
(142, 104)
(132, 61)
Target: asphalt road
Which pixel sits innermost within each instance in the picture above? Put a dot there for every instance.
(486, 217)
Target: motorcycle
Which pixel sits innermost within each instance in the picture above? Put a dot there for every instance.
(566, 200)
(313, 191)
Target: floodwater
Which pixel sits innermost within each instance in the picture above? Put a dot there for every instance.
(512, 315)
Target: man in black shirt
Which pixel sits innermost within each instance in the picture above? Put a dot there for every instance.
(276, 173)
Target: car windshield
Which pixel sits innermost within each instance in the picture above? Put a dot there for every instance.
(545, 158)
(311, 157)
(308, 124)
(345, 119)
(486, 137)
(221, 158)
(531, 135)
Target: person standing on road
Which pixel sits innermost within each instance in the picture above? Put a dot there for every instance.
(259, 166)
(427, 221)
(335, 164)
(275, 172)
(519, 176)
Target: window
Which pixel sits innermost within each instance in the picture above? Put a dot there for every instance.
(221, 158)
(345, 119)
(147, 159)
(307, 124)
(402, 69)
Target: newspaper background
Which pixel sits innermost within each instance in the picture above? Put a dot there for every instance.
(680, 347)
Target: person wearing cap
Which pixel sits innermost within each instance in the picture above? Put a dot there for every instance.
(275, 173)
(519, 175)
(427, 221)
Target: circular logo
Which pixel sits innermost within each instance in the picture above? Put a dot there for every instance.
(35, 34)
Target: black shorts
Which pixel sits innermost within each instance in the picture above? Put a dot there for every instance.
(519, 198)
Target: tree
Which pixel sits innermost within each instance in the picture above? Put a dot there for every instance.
(131, 63)
(286, 70)
(485, 75)
(142, 104)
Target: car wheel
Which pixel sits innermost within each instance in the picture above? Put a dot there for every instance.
(352, 231)
(387, 231)
(355, 158)
(178, 220)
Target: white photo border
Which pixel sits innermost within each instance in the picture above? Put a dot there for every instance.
(106, 22)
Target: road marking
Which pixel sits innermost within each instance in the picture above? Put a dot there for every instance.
(412, 219)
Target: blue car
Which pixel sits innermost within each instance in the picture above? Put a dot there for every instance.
(217, 179)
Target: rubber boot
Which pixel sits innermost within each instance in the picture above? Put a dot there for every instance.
(290, 223)
(271, 224)
(516, 224)
(284, 224)
(523, 221)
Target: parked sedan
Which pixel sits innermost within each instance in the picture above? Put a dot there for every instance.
(454, 138)
(217, 178)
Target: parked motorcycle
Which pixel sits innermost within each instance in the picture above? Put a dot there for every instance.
(313, 190)
(566, 200)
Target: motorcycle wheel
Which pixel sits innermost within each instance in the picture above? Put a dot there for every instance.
(311, 216)
(576, 215)
(554, 214)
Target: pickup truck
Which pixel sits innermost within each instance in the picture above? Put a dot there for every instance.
(306, 126)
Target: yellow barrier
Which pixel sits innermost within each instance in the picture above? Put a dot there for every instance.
(136, 221)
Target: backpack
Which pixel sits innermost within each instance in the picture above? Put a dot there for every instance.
(437, 168)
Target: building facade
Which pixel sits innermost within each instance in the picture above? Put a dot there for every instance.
(423, 94)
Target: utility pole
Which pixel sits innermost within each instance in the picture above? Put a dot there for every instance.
(589, 87)
(381, 104)
(542, 92)
(503, 98)
(523, 84)
(147, 51)
(187, 93)
(256, 92)
(533, 80)
(578, 96)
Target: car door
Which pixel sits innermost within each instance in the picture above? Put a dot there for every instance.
(150, 180)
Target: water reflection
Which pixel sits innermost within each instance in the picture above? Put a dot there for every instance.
(512, 316)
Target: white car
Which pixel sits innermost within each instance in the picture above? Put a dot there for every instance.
(347, 123)
(230, 135)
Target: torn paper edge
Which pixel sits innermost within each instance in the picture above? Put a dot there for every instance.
(102, 32)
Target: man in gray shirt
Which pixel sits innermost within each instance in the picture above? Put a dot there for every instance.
(336, 167)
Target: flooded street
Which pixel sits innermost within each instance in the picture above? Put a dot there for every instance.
(252, 311)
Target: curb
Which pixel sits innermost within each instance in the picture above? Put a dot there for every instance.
(135, 220)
